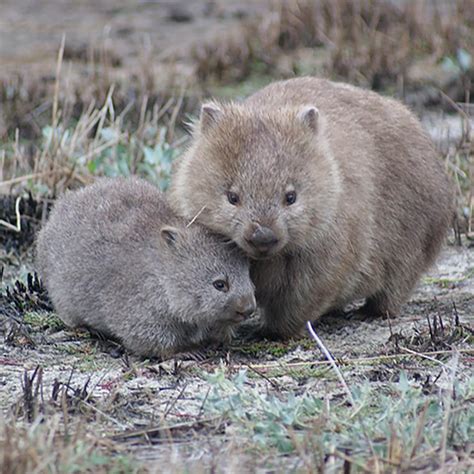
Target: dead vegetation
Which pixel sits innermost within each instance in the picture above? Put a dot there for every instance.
(96, 140)
(370, 43)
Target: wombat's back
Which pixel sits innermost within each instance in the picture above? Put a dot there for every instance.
(93, 241)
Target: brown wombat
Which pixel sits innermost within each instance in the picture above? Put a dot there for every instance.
(335, 192)
(115, 259)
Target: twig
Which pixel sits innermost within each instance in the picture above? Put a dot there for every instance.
(331, 360)
(17, 227)
(270, 381)
(196, 216)
(423, 356)
(361, 360)
(447, 413)
(173, 403)
(25, 177)
(100, 412)
(159, 429)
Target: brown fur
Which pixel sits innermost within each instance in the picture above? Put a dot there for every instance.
(116, 259)
(373, 202)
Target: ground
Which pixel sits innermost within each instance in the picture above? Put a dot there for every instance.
(158, 409)
(72, 402)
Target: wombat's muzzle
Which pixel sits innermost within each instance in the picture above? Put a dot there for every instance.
(245, 306)
(262, 239)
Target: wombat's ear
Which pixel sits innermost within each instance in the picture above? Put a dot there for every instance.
(210, 114)
(309, 115)
(170, 235)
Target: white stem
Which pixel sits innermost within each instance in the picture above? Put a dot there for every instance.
(331, 360)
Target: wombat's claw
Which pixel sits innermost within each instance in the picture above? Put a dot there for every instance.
(197, 356)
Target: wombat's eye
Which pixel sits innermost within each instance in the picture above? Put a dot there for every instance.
(290, 197)
(221, 285)
(233, 198)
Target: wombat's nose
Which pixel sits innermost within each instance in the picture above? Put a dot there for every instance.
(245, 307)
(263, 239)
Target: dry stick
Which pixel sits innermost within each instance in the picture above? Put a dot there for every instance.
(104, 415)
(191, 222)
(158, 429)
(174, 116)
(423, 356)
(17, 227)
(331, 360)
(361, 360)
(419, 429)
(162, 110)
(264, 377)
(85, 123)
(447, 414)
(55, 114)
(97, 150)
(171, 404)
(107, 107)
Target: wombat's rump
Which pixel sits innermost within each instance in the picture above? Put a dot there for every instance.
(116, 259)
(335, 192)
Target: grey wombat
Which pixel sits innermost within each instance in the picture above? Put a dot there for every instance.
(116, 259)
(335, 192)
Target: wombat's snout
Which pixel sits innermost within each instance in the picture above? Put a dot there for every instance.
(245, 306)
(262, 239)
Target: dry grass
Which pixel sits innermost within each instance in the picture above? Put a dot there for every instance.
(45, 446)
(78, 142)
(47, 432)
(370, 43)
(459, 159)
(61, 131)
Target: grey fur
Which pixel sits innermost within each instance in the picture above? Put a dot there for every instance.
(116, 259)
(373, 201)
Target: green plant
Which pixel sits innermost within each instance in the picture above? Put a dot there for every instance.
(400, 413)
